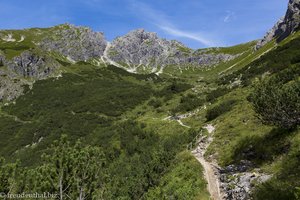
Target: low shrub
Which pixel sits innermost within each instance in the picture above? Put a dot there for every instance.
(220, 109)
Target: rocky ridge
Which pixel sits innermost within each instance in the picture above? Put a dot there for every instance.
(41, 52)
(285, 26)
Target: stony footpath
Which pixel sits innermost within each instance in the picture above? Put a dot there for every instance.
(234, 182)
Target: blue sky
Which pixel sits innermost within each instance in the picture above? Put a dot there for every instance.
(196, 23)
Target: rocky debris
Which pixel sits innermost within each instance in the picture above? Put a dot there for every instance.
(285, 26)
(240, 186)
(237, 182)
(141, 48)
(242, 167)
(30, 64)
(76, 43)
(210, 128)
(22, 38)
(8, 38)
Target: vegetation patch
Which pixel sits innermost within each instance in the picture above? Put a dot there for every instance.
(220, 109)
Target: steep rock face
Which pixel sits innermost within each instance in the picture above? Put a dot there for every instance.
(141, 48)
(13, 73)
(76, 43)
(285, 26)
(291, 20)
(29, 64)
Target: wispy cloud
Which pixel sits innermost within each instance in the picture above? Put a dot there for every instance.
(229, 17)
(160, 20)
(194, 36)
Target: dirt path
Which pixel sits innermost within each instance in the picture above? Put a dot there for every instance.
(212, 179)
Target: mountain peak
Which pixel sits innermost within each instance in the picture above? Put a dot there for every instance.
(141, 35)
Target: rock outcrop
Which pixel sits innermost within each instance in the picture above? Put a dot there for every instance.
(270, 35)
(285, 26)
(75, 43)
(32, 65)
(9, 88)
(291, 21)
(14, 73)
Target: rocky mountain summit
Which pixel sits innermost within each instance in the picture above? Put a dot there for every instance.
(145, 49)
(76, 43)
(285, 26)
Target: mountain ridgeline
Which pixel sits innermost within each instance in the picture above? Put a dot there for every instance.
(40, 53)
(84, 118)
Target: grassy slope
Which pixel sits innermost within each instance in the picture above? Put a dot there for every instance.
(31, 36)
(209, 74)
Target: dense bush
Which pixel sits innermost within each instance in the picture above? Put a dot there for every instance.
(274, 190)
(174, 88)
(220, 109)
(155, 103)
(188, 103)
(277, 99)
(126, 171)
(285, 183)
(213, 95)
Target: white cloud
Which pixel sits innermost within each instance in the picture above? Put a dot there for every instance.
(229, 17)
(161, 20)
(185, 34)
